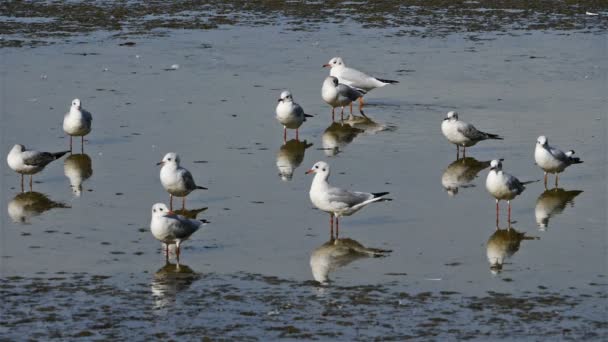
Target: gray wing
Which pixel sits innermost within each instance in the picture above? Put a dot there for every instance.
(349, 92)
(188, 180)
(515, 185)
(558, 154)
(87, 116)
(298, 111)
(348, 198)
(35, 158)
(183, 227)
(471, 132)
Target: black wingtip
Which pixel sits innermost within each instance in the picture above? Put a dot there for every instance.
(60, 154)
(380, 194)
(201, 187)
(309, 116)
(387, 81)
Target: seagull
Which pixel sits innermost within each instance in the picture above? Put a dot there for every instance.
(29, 204)
(290, 114)
(337, 94)
(463, 134)
(461, 173)
(78, 168)
(290, 156)
(27, 162)
(503, 186)
(169, 228)
(175, 179)
(355, 78)
(335, 201)
(77, 122)
(502, 245)
(551, 159)
(552, 202)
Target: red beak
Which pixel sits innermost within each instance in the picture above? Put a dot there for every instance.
(171, 212)
(326, 66)
(309, 171)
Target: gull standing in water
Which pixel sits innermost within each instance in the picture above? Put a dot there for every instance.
(77, 122)
(355, 78)
(335, 201)
(290, 114)
(28, 162)
(175, 179)
(337, 94)
(169, 228)
(503, 186)
(551, 159)
(463, 134)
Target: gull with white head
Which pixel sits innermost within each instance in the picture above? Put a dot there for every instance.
(290, 114)
(503, 186)
(169, 228)
(463, 134)
(27, 162)
(77, 122)
(355, 78)
(336, 201)
(176, 180)
(552, 159)
(337, 94)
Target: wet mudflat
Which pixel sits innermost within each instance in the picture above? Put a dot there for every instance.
(77, 257)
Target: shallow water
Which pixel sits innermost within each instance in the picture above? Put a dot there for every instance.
(81, 262)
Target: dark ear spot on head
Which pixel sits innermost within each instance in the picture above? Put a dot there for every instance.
(154, 210)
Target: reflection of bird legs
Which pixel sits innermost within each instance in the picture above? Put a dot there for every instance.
(284, 134)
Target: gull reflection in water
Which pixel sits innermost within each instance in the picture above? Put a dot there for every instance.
(290, 156)
(78, 168)
(337, 136)
(168, 281)
(553, 202)
(29, 204)
(502, 245)
(460, 174)
(337, 253)
(366, 124)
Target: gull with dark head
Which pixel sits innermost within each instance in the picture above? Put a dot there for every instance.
(463, 134)
(355, 78)
(337, 94)
(336, 201)
(170, 228)
(175, 179)
(290, 114)
(28, 162)
(77, 122)
(551, 159)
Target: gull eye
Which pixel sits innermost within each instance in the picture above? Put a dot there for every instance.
(316, 166)
(323, 169)
(161, 209)
(169, 159)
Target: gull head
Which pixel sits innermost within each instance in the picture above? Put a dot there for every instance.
(452, 115)
(496, 164)
(170, 158)
(542, 140)
(332, 80)
(160, 210)
(320, 167)
(18, 148)
(76, 103)
(285, 96)
(334, 62)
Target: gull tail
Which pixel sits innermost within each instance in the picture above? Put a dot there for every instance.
(387, 81)
(573, 160)
(201, 187)
(58, 155)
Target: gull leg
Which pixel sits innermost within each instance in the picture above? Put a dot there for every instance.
(284, 134)
(333, 113)
(351, 107)
(361, 102)
(497, 210)
(545, 181)
(509, 216)
(331, 226)
(464, 152)
(70, 143)
(170, 202)
(556, 176)
(342, 114)
(22, 190)
(184, 203)
(297, 134)
(31, 181)
(177, 251)
(337, 227)
(166, 252)
(457, 152)
(82, 144)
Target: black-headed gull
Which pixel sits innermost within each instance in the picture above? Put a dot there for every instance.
(355, 78)
(463, 134)
(290, 156)
(77, 122)
(502, 245)
(175, 179)
(461, 173)
(337, 253)
(337, 94)
(27, 162)
(78, 168)
(551, 159)
(335, 201)
(503, 186)
(29, 204)
(290, 114)
(170, 228)
(552, 202)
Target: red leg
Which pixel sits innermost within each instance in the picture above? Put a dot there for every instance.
(342, 114)
(166, 252)
(337, 227)
(331, 226)
(184, 203)
(351, 108)
(497, 210)
(509, 216)
(333, 114)
(284, 134)
(177, 251)
(361, 102)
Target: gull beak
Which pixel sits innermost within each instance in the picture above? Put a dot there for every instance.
(326, 65)
(445, 119)
(171, 212)
(280, 100)
(160, 163)
(309, 171)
